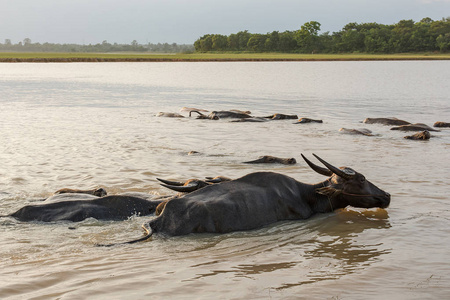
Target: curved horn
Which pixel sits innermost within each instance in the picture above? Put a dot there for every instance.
(320, 170)
(217, 179)
(213, 180)
(175, 183)
(196, 111)
(182, 189)
(344, 174)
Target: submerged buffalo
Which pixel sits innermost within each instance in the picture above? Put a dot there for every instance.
(250, 120)
(441, 124)
(423, 135)
(385, 121)
(99, 192)
(169, 115)
(361, 131)
(414, 127)
(281, 117)
(267, 159)
(77, 208)
(223, 114)
(262, 198)
(307, 120)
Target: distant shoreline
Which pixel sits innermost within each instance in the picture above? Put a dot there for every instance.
(24, 57)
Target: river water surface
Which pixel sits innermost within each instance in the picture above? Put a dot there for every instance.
(83, 125)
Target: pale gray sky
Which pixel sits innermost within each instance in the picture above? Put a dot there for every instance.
(184, 21)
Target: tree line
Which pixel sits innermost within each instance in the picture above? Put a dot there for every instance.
(404, 36)
(27, 46)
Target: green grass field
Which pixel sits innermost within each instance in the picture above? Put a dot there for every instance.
(99, 57)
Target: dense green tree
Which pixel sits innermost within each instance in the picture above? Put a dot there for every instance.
(243, 37)
(377, 40)
(233, 42)
(257, 42)
(219, 42)
(443, 42)
(206, 44)
(307, 37)
(401, 36)
(272, 41)
(287, 42)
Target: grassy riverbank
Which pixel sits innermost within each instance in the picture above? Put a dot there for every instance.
(137, 57)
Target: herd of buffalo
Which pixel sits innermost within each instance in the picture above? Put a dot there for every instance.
(422, 130)
(220, 204)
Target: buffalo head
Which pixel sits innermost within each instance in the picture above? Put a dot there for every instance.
(348, 187)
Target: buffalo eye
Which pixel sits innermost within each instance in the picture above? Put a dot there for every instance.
(362, 179)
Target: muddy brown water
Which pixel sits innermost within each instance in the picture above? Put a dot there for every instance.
(83, 125)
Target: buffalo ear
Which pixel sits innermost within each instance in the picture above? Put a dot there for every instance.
(320, 170)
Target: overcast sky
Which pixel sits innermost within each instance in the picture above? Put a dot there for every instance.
(184, 21)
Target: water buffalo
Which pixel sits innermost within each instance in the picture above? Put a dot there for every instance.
(441, 124)
(424, 135)
(307, 120)
(262, 198)
(414, 127)
(281, 117)
(99, 192)
(361, 131)
(250, 120)
(267, 159)
(385, 121)
(169, 115)
(116, 207)
(247, 112)
(223, 114)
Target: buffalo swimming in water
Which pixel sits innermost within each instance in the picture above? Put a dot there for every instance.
(424, 135)
(414, 127)
(78, 207)
(441, 124)
(99, 192)
(281, 117)
(307, 120)
(361, 131)
(385, 121)
(223, 114)
(267, 159)
(169, 115)
(259, 199)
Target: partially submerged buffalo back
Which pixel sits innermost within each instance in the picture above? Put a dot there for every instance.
(385, 121)
(115, 207)
(414, 127)
(242, 204)
(441, 124)
(424, 135)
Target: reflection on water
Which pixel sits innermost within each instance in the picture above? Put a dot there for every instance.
(325, 248)
(335, 240)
